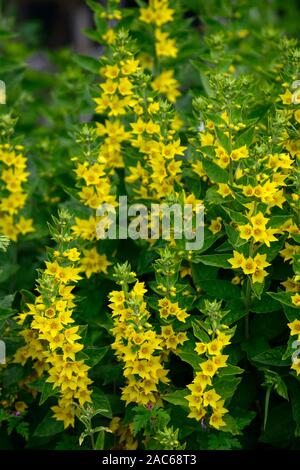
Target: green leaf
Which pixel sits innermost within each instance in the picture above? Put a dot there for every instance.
(281, 388)
(177, 398)
(234, 237)
(258, 288)
(48, 427)
(87, 63)
(219, 289)
(214, 172)
(220, 261)
(231, 425)
(230, 370)
(7, 271)
(201, 273)
(190, 357)
(12, 375)
(272, 357)
(245, 138)
(101, 403)
(291, 313)
(265, 305)
(27, 298)
(93, 35)
(213, 197)
(95, 355)
(199, 333)
(223, 139)
(226, 385)
(95, 6)
(6, 301)
(47, 392)
(4, 242)
(237, 311)
(278, 220)
(282, 297)
(99, 444)
(235, 216)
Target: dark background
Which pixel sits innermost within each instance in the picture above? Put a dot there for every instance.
(59, 22)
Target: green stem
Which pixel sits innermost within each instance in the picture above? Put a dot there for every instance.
(248, 305)
(267, 399)
(92, 440)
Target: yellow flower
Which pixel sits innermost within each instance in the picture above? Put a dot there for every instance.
(72, 254)
(291, 285)
(25, 226)
(220, 360)
(249, 266)
(286, 97)
(296, 300)
(294, 327)
(238, 154)
(196, 413)
(166, 84)
(202, 379)
(211, 398)
(207, 139)
(296, 366)
(289, 251)
(109, 36)
(195, 401)
(237, 260)
(259, 220)
(259, 275)
(214, 347)
(209, 367)
(261, 260)
(216, 421)
(246, 231)
(215, 225)
(139, 289)
(125, 86)
(20, 406)
(224, 190)
(200, 348)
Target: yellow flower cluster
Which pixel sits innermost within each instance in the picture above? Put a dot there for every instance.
(124, 434)
(253, 266)
(92, 262)
(159, 14)
(52, 343)
(164, 46)
(97, 188)
(118, 88)
(156, 177)
(294, 327)
(203, 399)
(166, 84)
(13, 176)
(171, 309)
(171, 339)
(137, 345)
(256, 230)
(95, 172)
(110, 15)
(289, 251)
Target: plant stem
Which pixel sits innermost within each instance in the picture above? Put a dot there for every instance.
(92, 440)
(247, 304)
(267, 399)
